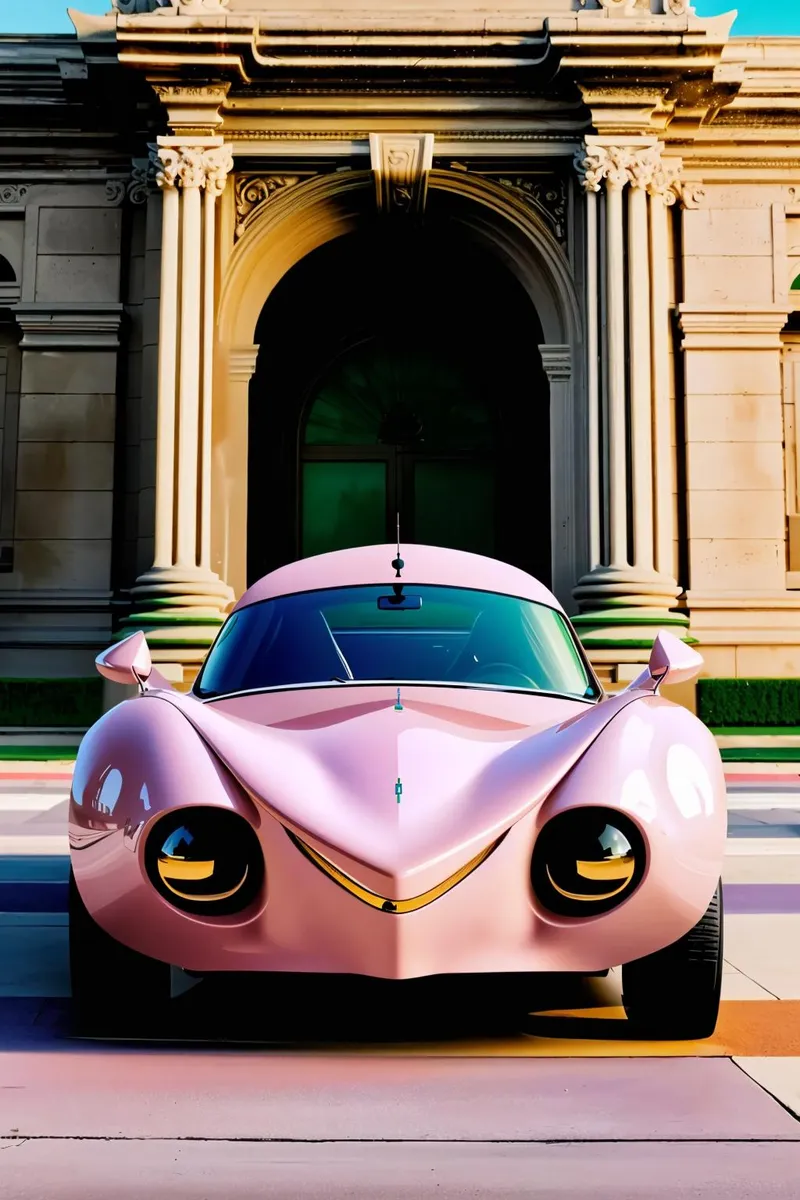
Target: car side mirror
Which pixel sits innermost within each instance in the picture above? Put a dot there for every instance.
(127, 662)
(671, 661)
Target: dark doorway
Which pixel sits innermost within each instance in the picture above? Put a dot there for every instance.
(399, 372)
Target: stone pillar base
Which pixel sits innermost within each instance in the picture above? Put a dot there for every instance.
(180, 610)
(629, 628)
(626, 608)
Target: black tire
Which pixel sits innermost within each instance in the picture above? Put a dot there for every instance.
(674, 994)
(115, 991)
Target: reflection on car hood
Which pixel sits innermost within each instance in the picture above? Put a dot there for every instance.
(328, 763)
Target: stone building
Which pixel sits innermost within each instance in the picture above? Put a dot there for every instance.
(522, 272)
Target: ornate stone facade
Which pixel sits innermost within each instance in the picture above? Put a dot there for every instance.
(634, 167)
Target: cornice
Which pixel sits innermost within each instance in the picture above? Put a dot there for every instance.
(731, 327)
(672, 75)
(69, 326)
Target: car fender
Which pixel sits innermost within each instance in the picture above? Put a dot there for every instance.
(658, 764)
(139, 760)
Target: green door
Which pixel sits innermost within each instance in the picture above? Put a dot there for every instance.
(389, 430)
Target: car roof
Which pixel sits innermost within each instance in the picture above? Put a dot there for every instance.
(363, 565)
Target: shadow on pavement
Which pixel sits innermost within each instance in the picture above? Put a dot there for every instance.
(304, 1012)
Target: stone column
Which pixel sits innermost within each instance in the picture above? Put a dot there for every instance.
(180, 601)
(628, 594)
(662, 195)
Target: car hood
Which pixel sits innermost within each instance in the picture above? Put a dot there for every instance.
(402, 791)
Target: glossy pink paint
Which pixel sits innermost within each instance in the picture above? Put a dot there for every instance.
(126, 662)
(423, 564)
(476, 765)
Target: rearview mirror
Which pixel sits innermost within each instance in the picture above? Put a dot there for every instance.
(671, 661)
(127, 662)
(401, 602)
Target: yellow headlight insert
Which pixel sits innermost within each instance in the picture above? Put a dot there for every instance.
(205, 860)
(184, 868)
(613, 871)
(171, 869)
(587, 860)
(380, 902)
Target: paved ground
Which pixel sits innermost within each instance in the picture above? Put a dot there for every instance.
(565, 1107)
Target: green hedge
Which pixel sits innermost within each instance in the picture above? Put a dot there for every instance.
(768, 703)
(64, 703)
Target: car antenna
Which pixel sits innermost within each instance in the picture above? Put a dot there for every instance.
(398, 564)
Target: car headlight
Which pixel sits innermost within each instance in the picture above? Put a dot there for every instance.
(205, 860)
(587, 861)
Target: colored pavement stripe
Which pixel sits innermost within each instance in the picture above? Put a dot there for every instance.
(761, 898)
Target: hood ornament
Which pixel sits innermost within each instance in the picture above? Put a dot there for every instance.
(398, 789)
(398, 705)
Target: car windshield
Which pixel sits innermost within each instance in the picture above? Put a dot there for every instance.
(439, 635)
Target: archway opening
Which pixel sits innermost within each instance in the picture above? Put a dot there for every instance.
(399, 374)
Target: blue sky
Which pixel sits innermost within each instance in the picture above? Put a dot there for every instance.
(50, 16)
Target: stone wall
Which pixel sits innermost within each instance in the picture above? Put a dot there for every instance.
(55, 602)
(734, 310)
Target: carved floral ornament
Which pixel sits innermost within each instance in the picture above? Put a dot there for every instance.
(252, 192)
(12, 193)
(638, 167)
(194, 167)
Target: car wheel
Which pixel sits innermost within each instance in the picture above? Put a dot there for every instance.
(115, 991)
(674, 993)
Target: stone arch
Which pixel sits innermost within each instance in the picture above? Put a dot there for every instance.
(308, 214)
(303, 218)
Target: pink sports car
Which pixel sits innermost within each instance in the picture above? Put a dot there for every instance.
(399, 768)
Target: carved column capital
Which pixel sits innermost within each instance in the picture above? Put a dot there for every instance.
(691, 195)
(665, 181)
(609, 164)
(218, 165)
(194, 167)
(641, 167)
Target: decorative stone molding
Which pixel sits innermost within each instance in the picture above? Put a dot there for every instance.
(732, 328)
(692, 195)
(640, 8)
(192, 110)
(665, 181)
(641, 167)
(189, 8)
(50, 326)
(557, 363)
(116, 190)
(242, 363)
(548, 196)
(400, 164)
(194, 167)
(143, 177)
(253, 192)
(13, 193)
(129, 8)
